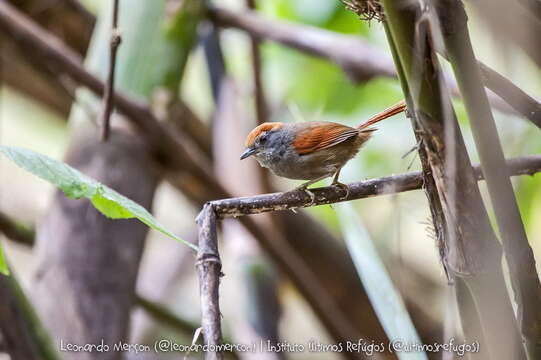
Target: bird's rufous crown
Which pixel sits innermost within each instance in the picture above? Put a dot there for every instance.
(255, 133)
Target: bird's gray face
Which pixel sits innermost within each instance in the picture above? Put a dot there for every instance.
(264, 145)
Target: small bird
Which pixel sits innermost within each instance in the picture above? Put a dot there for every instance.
(311, 150)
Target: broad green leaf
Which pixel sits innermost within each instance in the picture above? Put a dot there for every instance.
(76, 185)
(384, 297)
(3, 263)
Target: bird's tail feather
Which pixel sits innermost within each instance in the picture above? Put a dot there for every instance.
(387, 113)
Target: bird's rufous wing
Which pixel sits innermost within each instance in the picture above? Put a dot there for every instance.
(322, 135)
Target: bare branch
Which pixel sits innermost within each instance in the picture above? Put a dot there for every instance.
(260, 101)
(235, 207)
(209, 269)
(109, 88)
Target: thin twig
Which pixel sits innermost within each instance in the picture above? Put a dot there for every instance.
(261, 106)
(235, 207)
(108, 97)
(260, 101)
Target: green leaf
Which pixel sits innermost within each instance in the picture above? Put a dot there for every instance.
(384, 297)
(76, 185)
(3, 263)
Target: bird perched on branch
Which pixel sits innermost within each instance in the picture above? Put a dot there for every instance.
(311, 150)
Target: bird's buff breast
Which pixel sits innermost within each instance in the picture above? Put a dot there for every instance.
(289, 164)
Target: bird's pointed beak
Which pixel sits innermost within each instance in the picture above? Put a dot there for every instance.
(248, 152)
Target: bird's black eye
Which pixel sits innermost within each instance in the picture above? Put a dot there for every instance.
(263, 138)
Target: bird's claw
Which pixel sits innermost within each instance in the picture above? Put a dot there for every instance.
(309, 193)
(343, 187)
(312, 196)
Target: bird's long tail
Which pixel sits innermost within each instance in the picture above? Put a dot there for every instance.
(387, 113)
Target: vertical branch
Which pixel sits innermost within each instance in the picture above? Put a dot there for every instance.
(110, 84)
(209, 270)
(261, 108)
(260, 101)
(518, 252)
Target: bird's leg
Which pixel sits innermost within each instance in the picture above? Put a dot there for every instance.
(304, 187)
(337, 183)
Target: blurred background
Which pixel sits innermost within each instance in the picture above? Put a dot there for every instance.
(258, 300)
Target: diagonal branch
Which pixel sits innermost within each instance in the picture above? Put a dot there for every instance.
(362, 61)
(15, 231)
(515, 96)
(166, 148)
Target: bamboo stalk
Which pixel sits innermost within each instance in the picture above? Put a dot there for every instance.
(470, 249)
(519, 254)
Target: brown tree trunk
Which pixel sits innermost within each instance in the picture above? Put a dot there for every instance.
(84, 284)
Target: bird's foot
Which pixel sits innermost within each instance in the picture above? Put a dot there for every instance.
(307, 192)
(343, 187)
